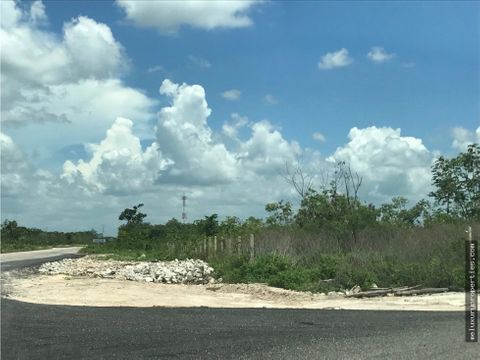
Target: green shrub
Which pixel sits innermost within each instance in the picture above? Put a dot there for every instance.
(274, 270)
(327, 264)
(239, 269)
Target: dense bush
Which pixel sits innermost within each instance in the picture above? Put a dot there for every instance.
(275, 270)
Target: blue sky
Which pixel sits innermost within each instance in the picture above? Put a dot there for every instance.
(426, 84)
(279, 55)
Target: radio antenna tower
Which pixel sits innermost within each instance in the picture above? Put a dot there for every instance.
(184, 202)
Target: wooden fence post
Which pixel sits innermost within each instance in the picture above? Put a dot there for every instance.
(215, 245)
(239, 245)
(205, 247)
(229, 246)
(252, 247)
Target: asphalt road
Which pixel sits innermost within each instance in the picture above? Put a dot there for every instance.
(10, 261)
(32, 331)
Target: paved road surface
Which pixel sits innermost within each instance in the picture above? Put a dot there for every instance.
(15, 260)
(61, 332)
(31, 331)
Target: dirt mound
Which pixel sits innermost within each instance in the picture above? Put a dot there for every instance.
(263, 291)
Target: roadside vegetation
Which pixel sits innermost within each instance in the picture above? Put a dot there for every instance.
(333, 240)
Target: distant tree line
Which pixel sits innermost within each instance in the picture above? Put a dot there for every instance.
(138, 234)
(15, 237)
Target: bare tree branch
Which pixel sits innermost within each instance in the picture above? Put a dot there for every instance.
(296, 177)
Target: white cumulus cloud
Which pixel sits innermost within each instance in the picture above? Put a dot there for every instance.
(270, 99)
(335, 59)
(266, 152)
(168, 16)
(33, 58)
(11, 14)
(390, 164)
(184, 135)
(37, 12)
(463, 137)
(319, 137)
(78, 112)
(187, 152)
(232, 94)
(378, 54)
(119, 164)
(230, 128)
(67, 87)
(14, 166)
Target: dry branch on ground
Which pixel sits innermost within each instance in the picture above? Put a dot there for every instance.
(399, 291)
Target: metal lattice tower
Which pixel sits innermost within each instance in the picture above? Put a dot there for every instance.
(184, 204)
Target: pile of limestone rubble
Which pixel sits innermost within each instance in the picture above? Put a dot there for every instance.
(171, 272)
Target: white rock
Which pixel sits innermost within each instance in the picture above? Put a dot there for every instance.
(108, 272)
(188, 271)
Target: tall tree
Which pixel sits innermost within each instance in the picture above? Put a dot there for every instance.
(209, 225)
(133, 216)
(297, 177)
(397, 213)
(338, 203)
(230, 226)
(281, 213)
(457, 183)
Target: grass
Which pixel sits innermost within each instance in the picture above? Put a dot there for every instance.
(274, 270)
(347, 271)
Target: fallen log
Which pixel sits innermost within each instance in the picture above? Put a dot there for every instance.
(421, 291)
(393, 288)
(372, 293)
(377, 288)
(405, 288)
(382, 292)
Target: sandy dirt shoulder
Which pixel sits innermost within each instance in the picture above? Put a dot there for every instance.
(84, 291)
